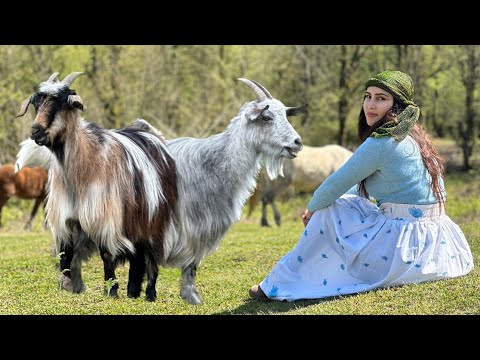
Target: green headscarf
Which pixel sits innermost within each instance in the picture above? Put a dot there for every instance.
(400, 86)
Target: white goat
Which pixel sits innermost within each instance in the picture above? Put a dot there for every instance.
(216, 175)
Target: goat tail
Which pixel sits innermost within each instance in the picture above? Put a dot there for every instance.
(31, 155)
(253, 201)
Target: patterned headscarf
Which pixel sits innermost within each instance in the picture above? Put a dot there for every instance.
(400, 86)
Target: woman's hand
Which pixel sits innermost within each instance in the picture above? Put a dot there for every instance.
(307, 214)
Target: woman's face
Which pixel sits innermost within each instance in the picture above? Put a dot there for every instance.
(376, 104)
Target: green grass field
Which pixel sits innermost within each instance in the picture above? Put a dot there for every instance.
(28, 278)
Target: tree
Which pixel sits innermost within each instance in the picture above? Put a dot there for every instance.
(469, 63)
(349, 81)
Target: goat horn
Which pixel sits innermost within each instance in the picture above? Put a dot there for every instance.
(263, 88)
(24, 108)
(261, 95)
(71, 78)
(53, 77)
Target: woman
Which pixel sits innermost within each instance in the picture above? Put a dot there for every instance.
(352, 245)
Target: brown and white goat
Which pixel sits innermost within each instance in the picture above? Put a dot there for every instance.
(111, 190)
(28, 183)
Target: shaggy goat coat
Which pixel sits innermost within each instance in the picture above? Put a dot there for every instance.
(113, 182)
(111, 190)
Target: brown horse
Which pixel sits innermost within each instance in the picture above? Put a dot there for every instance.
(27, 183)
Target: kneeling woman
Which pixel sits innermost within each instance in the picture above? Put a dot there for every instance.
(352, 245)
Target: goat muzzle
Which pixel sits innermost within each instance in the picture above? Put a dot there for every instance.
(291, 152)
(39, 135)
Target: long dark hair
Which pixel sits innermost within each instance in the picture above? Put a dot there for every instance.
(431, 159)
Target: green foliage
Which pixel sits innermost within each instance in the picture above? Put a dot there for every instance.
(109, 284)
(192, 90)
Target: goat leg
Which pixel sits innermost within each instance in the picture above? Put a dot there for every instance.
(76, 273)
(188, 291)
(71, 269)
(28, 225)
(109, 265)
(66, 256)
(83, 248)
(264, 221)
(136, 272)
(3, 201)
(276, 214)
(152, 274)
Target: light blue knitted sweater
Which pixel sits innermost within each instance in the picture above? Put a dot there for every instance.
(394, 171)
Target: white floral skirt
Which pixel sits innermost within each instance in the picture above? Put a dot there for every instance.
(353, 246)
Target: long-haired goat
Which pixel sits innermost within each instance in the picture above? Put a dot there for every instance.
(111, 190)
(28, 183)
(216, 175)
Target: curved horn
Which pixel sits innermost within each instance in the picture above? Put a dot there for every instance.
(53, 77)
(258, 91)
(24, 108)
(263, 88)
(70, 78)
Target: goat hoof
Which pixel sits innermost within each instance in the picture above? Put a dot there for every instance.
(78, 289)
(66, 283)
(192, 296)
(133, 290)
(194, 299)
(151, 297)
(134, 295)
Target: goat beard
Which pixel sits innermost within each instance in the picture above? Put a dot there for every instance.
(274, 166)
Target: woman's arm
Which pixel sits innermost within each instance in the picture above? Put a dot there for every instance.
(367, 159)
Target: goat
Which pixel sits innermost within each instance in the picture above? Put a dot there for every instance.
(267, 190)
(32, 155)
(217, 174)
(28, 183)
(109, 190)
(304, 174)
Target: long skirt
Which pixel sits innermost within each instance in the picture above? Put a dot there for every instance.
(354, 246)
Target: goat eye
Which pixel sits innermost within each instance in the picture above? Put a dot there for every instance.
(37, 100)
(266, 118)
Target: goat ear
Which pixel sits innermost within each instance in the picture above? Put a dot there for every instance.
(75, 101)
(256, 112)
(24, 107)
(292, 111)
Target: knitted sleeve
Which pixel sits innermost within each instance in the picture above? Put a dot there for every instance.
(364, 162)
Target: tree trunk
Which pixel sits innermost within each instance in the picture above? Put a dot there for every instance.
(343, 100)
(467, 131)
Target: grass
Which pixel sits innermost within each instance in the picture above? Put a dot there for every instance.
(29, 279)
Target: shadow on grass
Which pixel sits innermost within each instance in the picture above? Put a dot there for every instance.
(273, 307)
